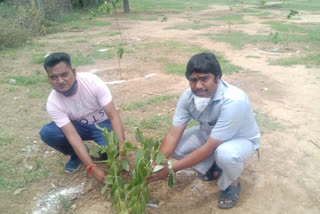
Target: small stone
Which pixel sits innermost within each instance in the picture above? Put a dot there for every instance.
(12, 81)
(18, 191)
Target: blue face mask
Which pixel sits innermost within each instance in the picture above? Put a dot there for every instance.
(71, 90)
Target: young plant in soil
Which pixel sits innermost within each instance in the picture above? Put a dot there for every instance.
(131, 197)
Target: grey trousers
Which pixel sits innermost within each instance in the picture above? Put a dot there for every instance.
(229, 156)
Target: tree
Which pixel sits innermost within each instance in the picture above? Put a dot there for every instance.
(126, 7)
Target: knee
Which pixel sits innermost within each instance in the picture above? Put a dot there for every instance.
(50, 133)
(226, 159)
(44, 133)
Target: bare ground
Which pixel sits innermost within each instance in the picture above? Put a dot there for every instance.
(284, 180)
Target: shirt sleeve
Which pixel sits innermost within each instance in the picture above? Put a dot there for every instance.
(182, 114)
(102, 92)
(230, 120)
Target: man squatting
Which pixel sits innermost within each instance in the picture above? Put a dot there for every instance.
(227, 136)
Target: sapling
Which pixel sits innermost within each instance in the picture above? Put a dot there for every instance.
(133, 196)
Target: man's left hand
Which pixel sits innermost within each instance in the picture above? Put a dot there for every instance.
(160, 175)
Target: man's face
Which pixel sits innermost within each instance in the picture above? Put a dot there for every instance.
(203, 85)
(61, 77)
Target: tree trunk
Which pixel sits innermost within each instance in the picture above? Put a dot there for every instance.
(126, 7)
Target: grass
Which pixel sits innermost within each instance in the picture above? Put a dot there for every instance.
(13, 178)
(262, 14)
(139, 17)
(226, 67)
(109, 33)
(156, 122)
(238, 40)
(103, 55)
(77, 21)
(27, 80)
(38, 58)
(233, 17)
(190, 26)
(173, 68)
(81, 41)
(309, 60)
(174, 47)
(157, 99)
(6, 140)
(170, 6)
(296, 33)
(159, 124)
(66, 204)
(80, 59)
(265, 123)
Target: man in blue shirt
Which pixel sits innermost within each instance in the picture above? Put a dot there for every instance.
(227, 136)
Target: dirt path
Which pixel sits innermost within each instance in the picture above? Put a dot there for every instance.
(285, 179)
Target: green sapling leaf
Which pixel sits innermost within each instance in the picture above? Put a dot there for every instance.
(157, 168)
(125, 164)
(161, 159)
(99, 127)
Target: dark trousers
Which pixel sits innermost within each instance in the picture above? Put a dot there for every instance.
(53, 136)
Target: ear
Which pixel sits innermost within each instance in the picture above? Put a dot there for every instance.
(74, 71)
(216, 80)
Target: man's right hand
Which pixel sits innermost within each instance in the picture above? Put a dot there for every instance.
(98, 174)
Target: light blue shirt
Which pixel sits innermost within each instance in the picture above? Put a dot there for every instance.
(228, 115)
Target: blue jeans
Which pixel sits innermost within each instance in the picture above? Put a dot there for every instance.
(53, 136)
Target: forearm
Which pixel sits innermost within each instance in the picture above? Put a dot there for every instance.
(167, 146)
(80, 150)
(118, 129)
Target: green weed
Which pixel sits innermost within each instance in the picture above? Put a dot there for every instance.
(13, 178)
(265, 123)
(255, 57)
(156, 122)
(103, 55)
(12, 89)
(37, 58)
(233, 17)
(28, 80)
(140, 17)
(109, 33)
(6, 140)
(190, 26)
(238, 40)
(309, 60)
(226, 67)
(263, 14)
(80, 59)
(157, 99)
(66, 204)
(173, 68)
(295, 33)
(81, 41)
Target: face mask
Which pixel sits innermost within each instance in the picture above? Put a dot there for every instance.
(201, 102)
(71, 90)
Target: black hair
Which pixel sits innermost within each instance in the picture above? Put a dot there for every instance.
(55, 58)
(204, 63)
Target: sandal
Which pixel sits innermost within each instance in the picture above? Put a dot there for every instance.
(209, 176)
(231, 193)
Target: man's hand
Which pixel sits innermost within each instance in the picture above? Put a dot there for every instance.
(98, 174)
(160, 175)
